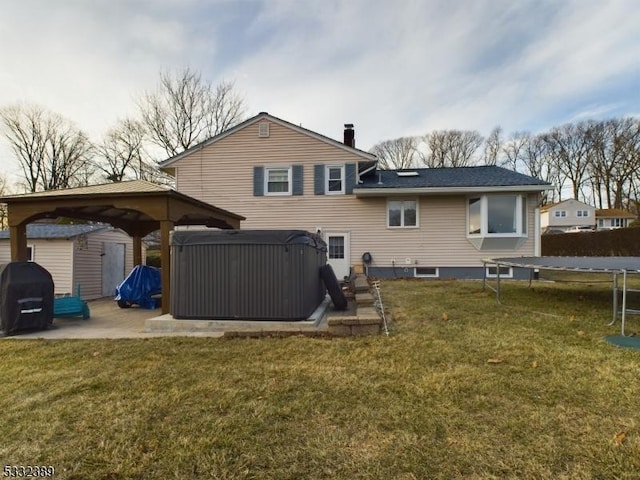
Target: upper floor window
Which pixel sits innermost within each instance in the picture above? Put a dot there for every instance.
(497, 215)
(582, 213)
(277, 181)
(334, 176)
(561, 213)
(402, 213)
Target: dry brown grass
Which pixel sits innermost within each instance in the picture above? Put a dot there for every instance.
(463, 388)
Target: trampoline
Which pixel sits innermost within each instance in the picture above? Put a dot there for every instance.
(614, 265)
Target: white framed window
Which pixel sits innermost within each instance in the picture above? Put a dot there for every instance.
(560, 213)
(31, 253)
(277, 181)
(334, 180)
(335, 247)
(601, 222)
(582, 213)
(426, 272)
(618, 222)
(402, 213)
(505, 272)
(497, 216)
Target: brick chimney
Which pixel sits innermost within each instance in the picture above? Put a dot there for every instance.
(349, 135)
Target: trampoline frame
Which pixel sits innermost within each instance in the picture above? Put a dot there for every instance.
(613, 265)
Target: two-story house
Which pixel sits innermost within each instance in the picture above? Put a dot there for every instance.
(568, 215)
(437, 223)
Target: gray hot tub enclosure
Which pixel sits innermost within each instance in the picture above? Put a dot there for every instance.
(246, 274)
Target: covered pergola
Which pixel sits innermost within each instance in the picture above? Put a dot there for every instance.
(137, 207)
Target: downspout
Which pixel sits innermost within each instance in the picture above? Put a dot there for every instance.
(537, 239)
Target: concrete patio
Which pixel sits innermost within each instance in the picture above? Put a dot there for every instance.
(109, 321)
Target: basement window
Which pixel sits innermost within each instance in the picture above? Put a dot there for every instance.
(426, 272)
(505, 272)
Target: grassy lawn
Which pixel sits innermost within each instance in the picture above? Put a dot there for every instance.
(462, 388)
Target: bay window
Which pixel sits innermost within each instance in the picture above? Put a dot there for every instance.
(502, 218)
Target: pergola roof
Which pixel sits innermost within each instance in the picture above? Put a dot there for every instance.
(138, 207)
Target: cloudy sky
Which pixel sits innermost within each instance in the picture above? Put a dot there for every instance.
(393, 68)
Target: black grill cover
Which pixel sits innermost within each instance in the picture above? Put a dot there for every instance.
(26, 297)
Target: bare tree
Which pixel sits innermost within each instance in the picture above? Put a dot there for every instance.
(452, 148)
(396, 154)
(185, 110)
(513, 150)
(568, 148)
(614, 156)
(493, 146)
(50, 149)
(121, 154)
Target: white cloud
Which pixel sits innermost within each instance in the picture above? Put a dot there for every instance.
(392, 68)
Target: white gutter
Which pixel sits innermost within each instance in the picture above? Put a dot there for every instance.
(373, 167)
(391, 191)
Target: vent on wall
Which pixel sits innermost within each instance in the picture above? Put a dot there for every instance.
(263, 129)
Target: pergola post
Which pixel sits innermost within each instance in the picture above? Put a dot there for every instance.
(137, 250)
(166, 226)
(18, 240)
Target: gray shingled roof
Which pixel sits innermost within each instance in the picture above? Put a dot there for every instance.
(472, 177)
(52, 230)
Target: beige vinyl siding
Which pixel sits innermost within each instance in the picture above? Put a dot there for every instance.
(222, 174)
(88, 261)
(55, 255)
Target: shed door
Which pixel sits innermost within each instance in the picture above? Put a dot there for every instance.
(338, 254)
(112, 267)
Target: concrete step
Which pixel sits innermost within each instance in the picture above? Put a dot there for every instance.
(361, 284)
(364, 299)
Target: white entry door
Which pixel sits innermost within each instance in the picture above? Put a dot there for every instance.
(112, 267)
(338, 253)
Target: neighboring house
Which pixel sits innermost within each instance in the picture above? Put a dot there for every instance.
(569, 215)
(97, 257)
(436, 223)
(611, 218)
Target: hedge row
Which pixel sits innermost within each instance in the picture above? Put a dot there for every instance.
(624, 242)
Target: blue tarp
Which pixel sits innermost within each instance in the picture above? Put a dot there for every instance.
(139, 286)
